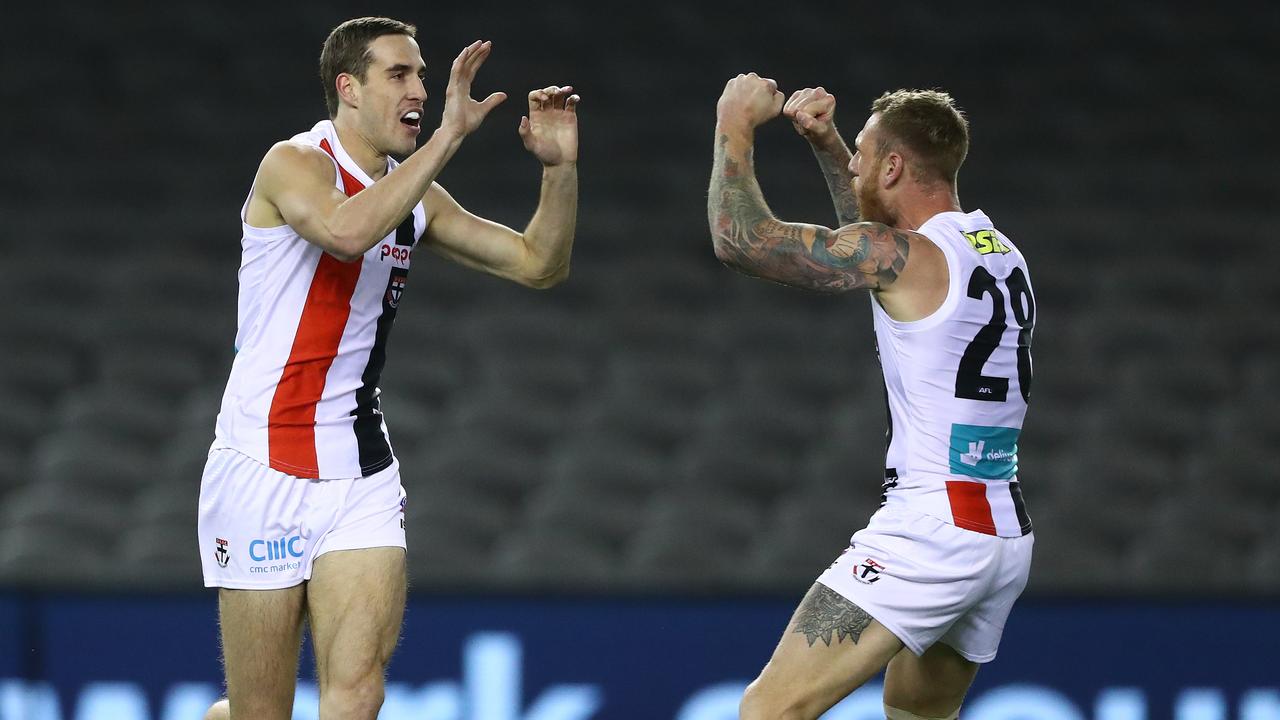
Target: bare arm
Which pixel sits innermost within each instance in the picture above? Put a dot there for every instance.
(539, 256)
(748, 238)
(813, 113)
(295, 184)
(834, 161)
(298, 181)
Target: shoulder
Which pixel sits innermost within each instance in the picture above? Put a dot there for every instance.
(289, 157)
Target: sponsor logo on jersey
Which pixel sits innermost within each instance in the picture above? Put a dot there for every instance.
(220, 553)
(867, 572)
(397, 253)
(986, 242)
(989, 453)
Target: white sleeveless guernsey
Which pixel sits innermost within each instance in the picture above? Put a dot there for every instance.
(958, 382)
(311, 341)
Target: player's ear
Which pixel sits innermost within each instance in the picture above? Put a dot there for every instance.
(894, 167)
(348, 86)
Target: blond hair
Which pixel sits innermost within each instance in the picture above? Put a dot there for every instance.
(930, 126)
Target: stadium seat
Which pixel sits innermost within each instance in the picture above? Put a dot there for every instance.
(654, 375)
(553, 558)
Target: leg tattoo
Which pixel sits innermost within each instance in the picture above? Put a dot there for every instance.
(824, 612)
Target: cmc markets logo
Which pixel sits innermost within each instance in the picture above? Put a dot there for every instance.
(281, 549)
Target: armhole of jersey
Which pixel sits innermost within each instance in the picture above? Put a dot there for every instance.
(948, 304)
(244, 209)
(276, 231)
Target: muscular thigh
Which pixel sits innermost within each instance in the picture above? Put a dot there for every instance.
(930, 685)
(261, 634)
(355, 601)
(830, 648)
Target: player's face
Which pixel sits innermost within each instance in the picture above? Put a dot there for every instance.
(392, 96)
(866, 166)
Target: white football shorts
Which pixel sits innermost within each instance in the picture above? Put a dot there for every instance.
(260, 529)
(927, 581)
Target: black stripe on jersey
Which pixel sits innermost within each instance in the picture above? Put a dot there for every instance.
(888, 433)
(375, 451)
(890, 482)
(1020, 507)
(404, 233)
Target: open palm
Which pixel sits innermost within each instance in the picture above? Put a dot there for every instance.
(550, 131)
(460, 111)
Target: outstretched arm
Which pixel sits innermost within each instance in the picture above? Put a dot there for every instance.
(747, 236)
(813, 114)
(295, 184)
(538, 257)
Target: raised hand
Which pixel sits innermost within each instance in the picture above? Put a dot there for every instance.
(813, 114)
(749, 99)
(462, 114)
(550, 130)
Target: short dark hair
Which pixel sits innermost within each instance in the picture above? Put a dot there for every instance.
(929, 124)
(346, 50)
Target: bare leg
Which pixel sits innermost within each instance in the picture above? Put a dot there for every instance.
(932, 685)
(356, 603)
(830, 648)
(261, 635)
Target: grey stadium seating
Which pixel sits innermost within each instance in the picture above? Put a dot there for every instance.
(657, 423)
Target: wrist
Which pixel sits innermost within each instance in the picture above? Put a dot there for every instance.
(559, 170)
(829, 142)
(449, 133)
(735, 128)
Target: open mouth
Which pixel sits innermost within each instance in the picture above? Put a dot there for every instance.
(413, 118)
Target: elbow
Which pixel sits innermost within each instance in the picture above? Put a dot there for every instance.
(344, 257)
(346, 248)
(547, 279)
(724, 252)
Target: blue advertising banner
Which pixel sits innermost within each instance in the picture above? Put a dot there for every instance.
(477, 658)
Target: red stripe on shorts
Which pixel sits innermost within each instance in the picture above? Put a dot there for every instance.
(969, 507)
(291, 423)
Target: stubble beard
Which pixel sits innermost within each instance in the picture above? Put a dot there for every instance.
(871, 208)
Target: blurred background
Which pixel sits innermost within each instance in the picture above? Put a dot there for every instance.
(619, 488)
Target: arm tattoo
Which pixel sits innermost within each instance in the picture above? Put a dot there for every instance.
(750, 239)
(824, 613)
(835, 168)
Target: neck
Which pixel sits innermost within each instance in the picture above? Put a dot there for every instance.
(924, 203)
(370, 159)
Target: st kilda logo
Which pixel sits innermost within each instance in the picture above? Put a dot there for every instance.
(867, 572)
(220, 553)
(395, 287)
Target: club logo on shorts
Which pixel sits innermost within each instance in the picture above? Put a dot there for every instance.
(220, 553)
(867, 572)
(403, 502)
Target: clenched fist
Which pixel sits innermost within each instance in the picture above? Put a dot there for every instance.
(813, 113)
(749, 99)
